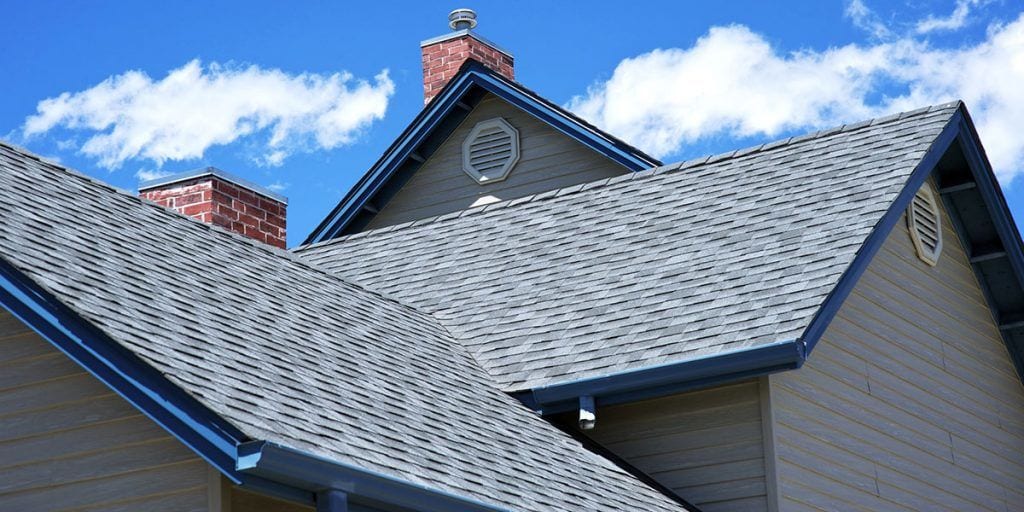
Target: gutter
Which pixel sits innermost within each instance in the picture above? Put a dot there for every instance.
(666, 379)
(333, 479)
(120, 369)
(268, 468)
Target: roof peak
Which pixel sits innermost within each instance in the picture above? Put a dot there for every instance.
(672, 167)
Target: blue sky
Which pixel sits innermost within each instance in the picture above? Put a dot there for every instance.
(304, 96)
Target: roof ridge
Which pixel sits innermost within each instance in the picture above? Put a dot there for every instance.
(667, 168)
(569, 113)
(217, 230)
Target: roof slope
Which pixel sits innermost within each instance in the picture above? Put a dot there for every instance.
(680, 262)
(290, 354)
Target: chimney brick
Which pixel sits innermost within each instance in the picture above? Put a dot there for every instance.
(442, 58)
(215, 197)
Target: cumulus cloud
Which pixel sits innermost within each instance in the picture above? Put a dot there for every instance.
(865, 19)
(150, 174)
(195, 107)
(954, 21)
(278, 186)
(732, 82)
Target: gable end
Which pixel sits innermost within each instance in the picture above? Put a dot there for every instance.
(437, 122)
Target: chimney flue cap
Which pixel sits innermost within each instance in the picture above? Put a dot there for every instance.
(462, 19)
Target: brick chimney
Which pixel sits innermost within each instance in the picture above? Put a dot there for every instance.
(215, 197)
(443, 55)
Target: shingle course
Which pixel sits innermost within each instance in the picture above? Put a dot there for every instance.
(688, 260)
(291, 354)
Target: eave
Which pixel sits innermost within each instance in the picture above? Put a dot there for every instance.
(665, 379)
(314, 474)
(258, 465)
(970, 191)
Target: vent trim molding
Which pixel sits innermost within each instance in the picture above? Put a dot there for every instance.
(490, 151)
(924, 219)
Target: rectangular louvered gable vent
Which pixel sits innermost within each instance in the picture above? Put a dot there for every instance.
(490, 151)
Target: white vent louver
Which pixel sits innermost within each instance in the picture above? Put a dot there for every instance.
(490, 150)
(925, 223)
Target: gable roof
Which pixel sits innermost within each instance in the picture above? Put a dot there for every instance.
(270, 367)
(726, 266)
(438, 119)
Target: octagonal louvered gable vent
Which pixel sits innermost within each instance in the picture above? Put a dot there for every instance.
(490, 151)
(925, 220)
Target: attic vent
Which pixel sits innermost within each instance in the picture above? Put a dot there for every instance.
(490, 150)
(925, 225)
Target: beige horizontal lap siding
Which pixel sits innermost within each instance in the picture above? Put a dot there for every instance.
(548, 160)
(706, 445)
(910, 400)
(242, 500)
(246, 501)
(67, 442)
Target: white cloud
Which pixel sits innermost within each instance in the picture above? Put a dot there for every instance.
(866, 19)
(733, 83)
(278, 187)
(957, 19)
(150, 174)
(132, 116)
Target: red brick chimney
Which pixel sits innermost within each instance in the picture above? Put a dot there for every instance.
(443, 55)
(215, 197)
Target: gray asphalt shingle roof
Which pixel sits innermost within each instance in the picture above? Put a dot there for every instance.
(687, 260)
(291, 354)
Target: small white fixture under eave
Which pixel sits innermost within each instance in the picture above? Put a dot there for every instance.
(490, 151)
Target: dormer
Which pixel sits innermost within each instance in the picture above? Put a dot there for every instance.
(482, 138)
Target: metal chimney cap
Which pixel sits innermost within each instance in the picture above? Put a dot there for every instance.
(462, 19)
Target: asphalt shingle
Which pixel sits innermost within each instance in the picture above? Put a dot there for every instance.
(665, 265)
(291, 354)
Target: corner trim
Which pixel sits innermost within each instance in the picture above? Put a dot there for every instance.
(771, 463)
(666, 379)
(314, 473)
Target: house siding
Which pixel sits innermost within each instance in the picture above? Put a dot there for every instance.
(909, 401)
(245, 501)
(707, 446)
(548, 160)
(242, 500)
(67, 441)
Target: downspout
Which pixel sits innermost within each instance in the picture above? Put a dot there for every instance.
(331, 500)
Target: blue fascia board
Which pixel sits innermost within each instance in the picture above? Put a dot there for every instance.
(588, 136)
(395, 155)
(835, 299)
(473, 74)
(666, 379)
(1005, 226)
(314, 473)
(672, 378)
(183, 416)
(995, 202)
(266, 468)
